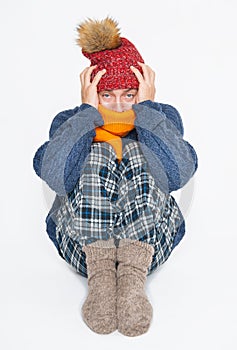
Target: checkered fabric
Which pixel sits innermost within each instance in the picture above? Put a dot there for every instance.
(116, 200)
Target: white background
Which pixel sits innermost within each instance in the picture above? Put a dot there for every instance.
(192, 47)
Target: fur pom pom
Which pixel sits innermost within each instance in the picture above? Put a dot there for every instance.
(95, 36)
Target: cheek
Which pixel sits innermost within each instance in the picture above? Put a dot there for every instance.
(106, 103)
(129, 101)
(102, 101)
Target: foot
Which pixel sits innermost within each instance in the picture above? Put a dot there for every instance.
(134, 311)
(99, 308)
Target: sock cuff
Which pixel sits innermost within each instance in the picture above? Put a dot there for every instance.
(135, 253)
(100, 250)
(128, 241)
(108, 243)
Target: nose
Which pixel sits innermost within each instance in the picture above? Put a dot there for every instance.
(117, 105)
(118, 99)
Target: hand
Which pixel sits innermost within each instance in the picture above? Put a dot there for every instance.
(146, 90)
(89, 89)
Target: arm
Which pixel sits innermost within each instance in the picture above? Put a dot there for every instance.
(171, 113)
(58, 161)
(173, 161)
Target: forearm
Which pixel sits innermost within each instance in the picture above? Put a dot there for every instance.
(56, 162)
(163, 144)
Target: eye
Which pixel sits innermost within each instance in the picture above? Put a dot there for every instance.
(130, 95)
(105, 95)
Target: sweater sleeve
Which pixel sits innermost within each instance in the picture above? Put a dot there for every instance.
(59, 160)
(172, 160)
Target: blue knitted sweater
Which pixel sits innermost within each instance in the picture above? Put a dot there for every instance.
(158, 129)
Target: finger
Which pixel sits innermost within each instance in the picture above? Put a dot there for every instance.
(149, 74)
(98, 76)
(137, 73)
(85, 70)
(82, 74)
(87, 75)
(144, 70)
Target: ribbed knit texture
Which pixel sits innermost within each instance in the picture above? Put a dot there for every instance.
(99, 309)
(134, 311)
(116, 125)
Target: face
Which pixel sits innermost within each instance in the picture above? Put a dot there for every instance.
(117, 100)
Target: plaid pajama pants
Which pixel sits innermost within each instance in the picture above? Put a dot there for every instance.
(116, 200)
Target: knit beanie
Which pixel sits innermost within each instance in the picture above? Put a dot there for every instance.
(102, 44)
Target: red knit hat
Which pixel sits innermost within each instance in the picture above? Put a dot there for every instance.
(101, 43)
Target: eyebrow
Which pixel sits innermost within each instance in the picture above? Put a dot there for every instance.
(124, 90)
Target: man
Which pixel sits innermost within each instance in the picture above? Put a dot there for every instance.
(113, 162)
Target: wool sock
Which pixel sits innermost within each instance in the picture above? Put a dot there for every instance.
(99, 308)
(134, 311)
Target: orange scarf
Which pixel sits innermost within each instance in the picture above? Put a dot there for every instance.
(116, 125)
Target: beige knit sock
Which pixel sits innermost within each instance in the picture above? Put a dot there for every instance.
(134, 311)
(99, 309)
